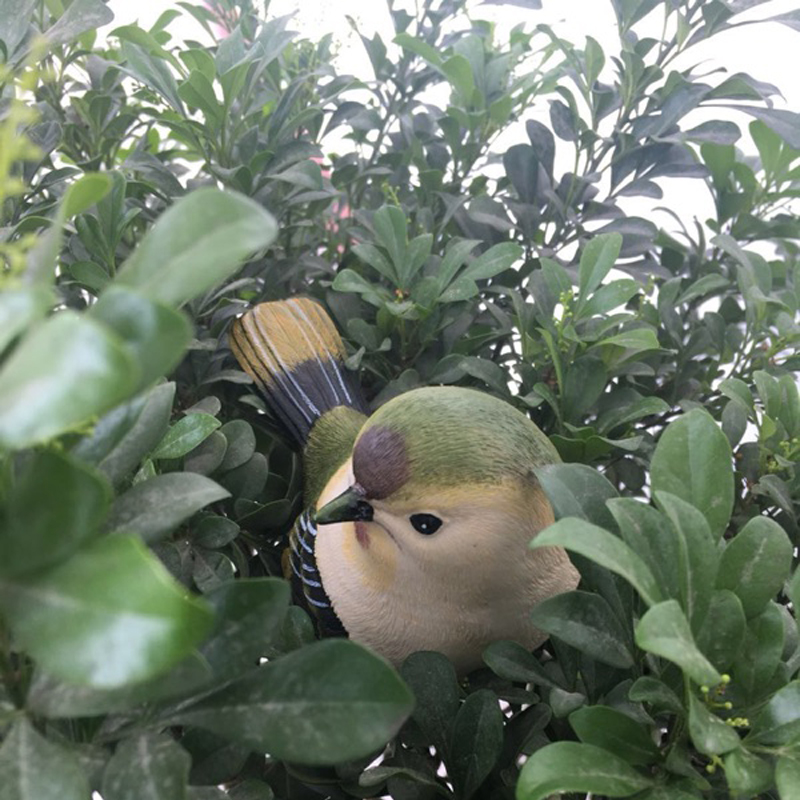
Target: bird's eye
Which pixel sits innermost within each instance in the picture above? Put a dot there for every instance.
(425, 523)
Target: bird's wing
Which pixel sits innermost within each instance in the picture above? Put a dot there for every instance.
(307, 589)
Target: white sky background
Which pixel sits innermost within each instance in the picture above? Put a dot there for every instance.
(769, 52)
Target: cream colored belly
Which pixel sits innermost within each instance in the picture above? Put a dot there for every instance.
(384, 603)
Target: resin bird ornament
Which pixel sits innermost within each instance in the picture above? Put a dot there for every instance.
(417, 518)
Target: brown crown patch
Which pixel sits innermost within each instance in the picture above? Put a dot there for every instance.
(380, 462)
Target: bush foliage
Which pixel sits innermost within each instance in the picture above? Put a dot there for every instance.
(150, 191)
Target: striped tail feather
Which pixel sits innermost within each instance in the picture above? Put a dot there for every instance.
(295, 355)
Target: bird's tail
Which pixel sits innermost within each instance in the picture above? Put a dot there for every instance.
(294, 353)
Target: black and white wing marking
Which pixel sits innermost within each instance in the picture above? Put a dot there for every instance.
(307, 588)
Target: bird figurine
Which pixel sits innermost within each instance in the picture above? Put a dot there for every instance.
(417, 517)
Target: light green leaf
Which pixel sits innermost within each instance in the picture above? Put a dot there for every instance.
(778, 722)
(19, 308)
(79, 17)
(155, 334)
(196, 243)
(109, 616)
(604, 549)
(495, 260)
(787, 777)
(747, 774)
(576, 767)
(63, 373)
(458, 71)
(33, 768)
(664, 630)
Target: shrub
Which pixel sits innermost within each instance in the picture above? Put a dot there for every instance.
(150, 192)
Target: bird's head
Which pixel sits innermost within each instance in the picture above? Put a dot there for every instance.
(441, 470)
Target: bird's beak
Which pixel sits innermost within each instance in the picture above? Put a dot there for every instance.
(349, 506)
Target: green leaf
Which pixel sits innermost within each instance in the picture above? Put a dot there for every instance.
(664, 630)
(19, 308)
(371, 255)
(710, 735)
(391, 229)
(196, 243)
(693, 461)
(124, 436)
(651, 690)
(329, 702)
(432, 679)
(458, 71)
(33, 768)
(513, 662)
(155, 334)
(186, 434)
(79, 17)
(241, 443)
(585, 621)
(778, 722)
(616, 732)
(755, 563)
(722, 631)
(55, 505)
(495, 260)
(207, 457)
(637, 339)
(67, 370)
(697, 555)
(787, 777)
(575, 767)
(157, 506)
(109, 616)
(197, 92)
(476, 742)
(599, 255)
(249, 614)
(577, 490)
(419, 47)
(604, 549)
(747, 774)
(147, 767)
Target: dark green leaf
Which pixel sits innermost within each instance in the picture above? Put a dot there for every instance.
(207, 457)
(110, 615)
(477, 741)
(33, 768)
(722, 631)
(513, 662)
(323, 704)
(746, 773)
(56, 504)
(665, 631)
(576, 767)
(586, 622)
(755, 563)
(124, 436)
(693, 461)
(599, 255)
(616, 732)
(157, 506)
(577, 490)
(778, 722)
(147, 767)
(432, 679)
